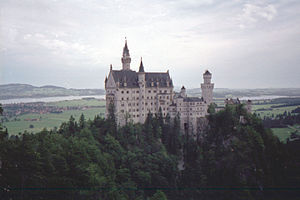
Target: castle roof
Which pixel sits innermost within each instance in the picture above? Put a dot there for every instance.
(141, 69)
(153, 79)
(125, 49)
(192, 99)
(207, 72)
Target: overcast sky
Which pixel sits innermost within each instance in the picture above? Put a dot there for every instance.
(71, 43)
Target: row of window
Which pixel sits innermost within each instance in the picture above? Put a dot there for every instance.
(191, 103)
(151, 97)
(198, 113)
(149, 91)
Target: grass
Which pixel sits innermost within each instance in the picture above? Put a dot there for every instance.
(274, 111)
(284, 133)
(79, 102)
(51, 120)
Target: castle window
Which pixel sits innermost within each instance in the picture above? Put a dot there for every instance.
(122, 92)
(146, 103)
(142, 97)
(147, 97)
(127, 98)
(137, 115)
(122, 98)
(127, 92)
(137, 91)
(133, 115)
(149, 91)
(151, 103)
(137, 110)
(165, 91)
(154, 91)
(137, 98)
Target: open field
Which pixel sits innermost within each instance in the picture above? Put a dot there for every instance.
(272, 111)
(78, 102)
(284, 133)
(51, 120)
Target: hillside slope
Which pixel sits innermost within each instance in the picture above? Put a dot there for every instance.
(10, 91)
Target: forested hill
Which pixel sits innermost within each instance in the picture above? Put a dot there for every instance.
(96, 159)
(11, 91)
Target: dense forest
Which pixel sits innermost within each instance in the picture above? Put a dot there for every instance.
(235, 157)
(283, 120)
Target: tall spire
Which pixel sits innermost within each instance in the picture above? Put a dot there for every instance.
(126, 57)
(141, 69)
(125, 49)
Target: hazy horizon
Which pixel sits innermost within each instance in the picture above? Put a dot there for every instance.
(176, 87)
(245, 44)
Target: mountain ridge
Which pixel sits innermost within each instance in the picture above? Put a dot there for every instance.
(18, 90)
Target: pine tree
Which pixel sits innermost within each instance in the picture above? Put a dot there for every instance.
(82, 121)
(111, 119)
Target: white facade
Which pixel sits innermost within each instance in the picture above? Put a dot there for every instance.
(135, 94)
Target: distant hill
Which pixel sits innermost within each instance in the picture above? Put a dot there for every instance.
(11, 91)
(223, 92)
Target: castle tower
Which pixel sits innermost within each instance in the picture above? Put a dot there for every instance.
(183, 92)
(142, 91)
(207, 87)
(126, 57)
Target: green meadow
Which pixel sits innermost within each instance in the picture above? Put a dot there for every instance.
(284, 133)
(272, 111)
(51, 120)
(97, 107)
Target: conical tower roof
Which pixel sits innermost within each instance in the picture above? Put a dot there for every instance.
(141, 69)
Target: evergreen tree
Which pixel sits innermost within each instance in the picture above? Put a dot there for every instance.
(82, 122)
(111, 119)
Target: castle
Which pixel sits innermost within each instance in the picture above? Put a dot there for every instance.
(135, 94)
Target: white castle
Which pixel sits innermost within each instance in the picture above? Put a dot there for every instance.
(135, 94)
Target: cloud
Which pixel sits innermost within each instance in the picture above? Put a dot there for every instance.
(185, 36)
(252, 13)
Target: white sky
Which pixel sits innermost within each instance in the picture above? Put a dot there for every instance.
(71, 43)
